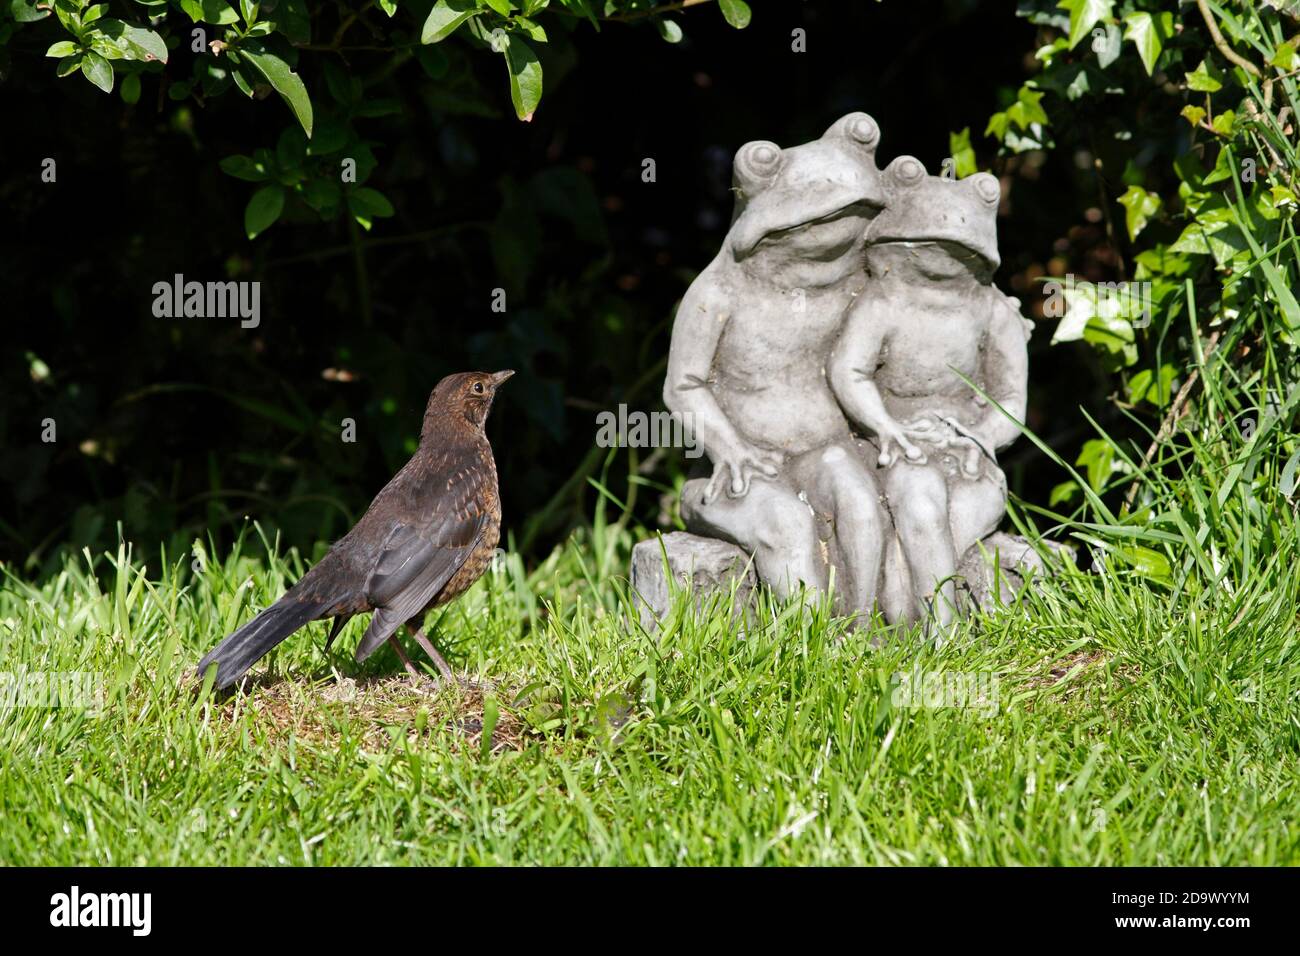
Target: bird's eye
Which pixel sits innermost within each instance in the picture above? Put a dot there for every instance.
(478, 388)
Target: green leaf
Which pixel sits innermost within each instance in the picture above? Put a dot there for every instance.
(1285, 57)
(210, 11)
(433, 61)
(668, 29)
(525, 77)
(1098, 458)
(96, 69)
(137, 43)
(263, 210)
(1193, 114)
(244, 167)
(533, 30)
(500, 6)
(330, 135)
(370, 203)
(293, 19)
(1109, 49)
(1139, 206)
(62, 48)
(1084, 15)
(735, 12)
(1147, 563)
(24, 11)
(963, 154)
(1224, 123)
(284, 81)
(1149, 34)
(444, 18)
(69, 14)
(1204, 79)
(1027, 108)
(130, 89)
(1063, 493)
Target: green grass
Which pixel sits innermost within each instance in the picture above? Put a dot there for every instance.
(1132, 722)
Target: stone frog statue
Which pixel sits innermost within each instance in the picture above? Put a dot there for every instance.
(746, 367)
(928, 323)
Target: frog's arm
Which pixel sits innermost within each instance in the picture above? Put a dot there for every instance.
(853, 363)
(697, 329)
(1006, 372)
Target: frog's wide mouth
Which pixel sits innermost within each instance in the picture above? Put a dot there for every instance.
(855, 209)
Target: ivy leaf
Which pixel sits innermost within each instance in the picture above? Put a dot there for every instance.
(1063, 493)
(1027, 108)
(1193, 114)
(1109, 50)
(1098, 459)
(1204, 79)
(284, 81)
(1224, 123)
(96, 69)
(1084, 15)
(1139, 206)
(963, 154)
(1149, 34)
(525, 77)
(735, 12)
(1285, 57)
(263, 210)
(444, 18)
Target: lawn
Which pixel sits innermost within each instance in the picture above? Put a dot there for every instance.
(1104, 719)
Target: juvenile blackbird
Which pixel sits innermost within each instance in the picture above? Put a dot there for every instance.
(426, 537)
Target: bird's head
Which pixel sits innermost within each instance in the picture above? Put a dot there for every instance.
(465, 397)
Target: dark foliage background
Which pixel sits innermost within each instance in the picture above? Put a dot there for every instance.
(182, 427)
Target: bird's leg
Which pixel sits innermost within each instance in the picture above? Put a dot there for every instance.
(443, 667)
(406, 661)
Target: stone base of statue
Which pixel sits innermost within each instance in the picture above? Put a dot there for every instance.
(703, 566)
(992, 573)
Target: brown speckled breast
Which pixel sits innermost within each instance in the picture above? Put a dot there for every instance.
(489, 504)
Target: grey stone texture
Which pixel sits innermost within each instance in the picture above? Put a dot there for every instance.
(851, 372)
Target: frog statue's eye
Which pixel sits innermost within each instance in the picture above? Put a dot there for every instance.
(861, 128)
(756, 163)
(987, 187)
(907, 170)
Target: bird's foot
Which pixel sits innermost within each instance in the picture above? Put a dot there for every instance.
(438, 661)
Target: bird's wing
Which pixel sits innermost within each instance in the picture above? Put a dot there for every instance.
(418, 559)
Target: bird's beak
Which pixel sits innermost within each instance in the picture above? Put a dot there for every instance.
(499, 377)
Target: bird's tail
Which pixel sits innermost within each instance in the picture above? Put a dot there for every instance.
(242, 649)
